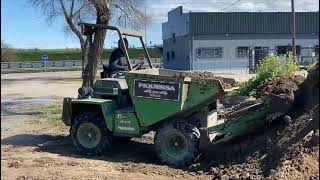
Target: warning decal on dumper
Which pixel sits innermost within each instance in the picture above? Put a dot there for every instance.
(156, 89)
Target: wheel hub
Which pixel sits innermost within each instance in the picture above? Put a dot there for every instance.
(175, 144)
(88, 135)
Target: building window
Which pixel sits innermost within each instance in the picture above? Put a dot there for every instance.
(173, 55)
(261, 52)
(168, 56)
(242, 52)
(316, 50)
(209, 53)
(286, 49)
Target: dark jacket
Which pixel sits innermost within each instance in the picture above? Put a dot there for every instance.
(116, 62)
(116, 54)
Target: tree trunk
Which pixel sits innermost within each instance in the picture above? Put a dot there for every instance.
(95, 50)
(84, 54)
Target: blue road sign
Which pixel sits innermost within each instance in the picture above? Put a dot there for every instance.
(44, 57)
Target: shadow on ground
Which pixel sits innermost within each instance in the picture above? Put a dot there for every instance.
(122, 151)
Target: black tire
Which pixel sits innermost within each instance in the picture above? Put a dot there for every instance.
(184, 145)
(92, 123)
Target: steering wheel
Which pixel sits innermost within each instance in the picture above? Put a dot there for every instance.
(138, 65)
(135, 67)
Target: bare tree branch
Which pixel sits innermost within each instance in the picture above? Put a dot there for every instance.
(100, 11)
(128, 9)
(79, 10)
(71, 8)
(71, 24)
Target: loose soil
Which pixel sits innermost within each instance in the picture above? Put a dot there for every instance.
(286, 84)
(225, 82)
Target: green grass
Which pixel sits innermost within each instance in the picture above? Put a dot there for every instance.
(268, 70)
(53, 114)
(73, 54)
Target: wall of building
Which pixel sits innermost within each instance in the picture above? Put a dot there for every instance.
(229, 59)
(177, 24)
(180, 46)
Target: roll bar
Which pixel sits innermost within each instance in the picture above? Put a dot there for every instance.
(120, 34)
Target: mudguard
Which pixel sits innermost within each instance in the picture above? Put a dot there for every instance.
(67, 111)
(72, 107)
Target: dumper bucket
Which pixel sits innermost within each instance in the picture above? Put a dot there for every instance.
(158, 94)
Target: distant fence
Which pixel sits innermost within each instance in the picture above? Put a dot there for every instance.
(305, 56)
(62, 63)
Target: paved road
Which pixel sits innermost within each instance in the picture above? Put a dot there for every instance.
(56, 85)
(52, 85)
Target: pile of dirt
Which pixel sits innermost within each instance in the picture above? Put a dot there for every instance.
(281, 150)
(226, 82)
(286, 84)
(198, 75)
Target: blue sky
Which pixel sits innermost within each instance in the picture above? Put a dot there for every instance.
(23, 26)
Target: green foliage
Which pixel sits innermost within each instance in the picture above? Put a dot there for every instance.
(289, 67)
(268, 70)
(7, 53)
(74, 54)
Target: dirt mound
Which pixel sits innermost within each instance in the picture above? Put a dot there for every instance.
(277, 152)
(226, 82)
(198, 75)
(286, 84)
(307, 96)
(281, 150)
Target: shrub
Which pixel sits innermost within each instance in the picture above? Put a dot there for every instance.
(7, 52)
(268, 70)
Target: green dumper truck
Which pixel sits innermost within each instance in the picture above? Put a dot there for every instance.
(181, 110)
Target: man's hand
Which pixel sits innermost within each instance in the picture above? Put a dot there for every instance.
(138, 65)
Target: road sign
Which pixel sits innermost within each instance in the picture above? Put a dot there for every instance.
(44, 57)
(141, 56)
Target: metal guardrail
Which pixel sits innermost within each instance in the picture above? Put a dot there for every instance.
(62, 63)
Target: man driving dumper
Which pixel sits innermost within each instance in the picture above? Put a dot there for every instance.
(117, 61)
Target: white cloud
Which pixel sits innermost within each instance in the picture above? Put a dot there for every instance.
(159, 9)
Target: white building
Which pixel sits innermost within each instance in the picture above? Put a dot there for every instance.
(218, 41)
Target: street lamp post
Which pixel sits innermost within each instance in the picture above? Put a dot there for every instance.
(293, 29)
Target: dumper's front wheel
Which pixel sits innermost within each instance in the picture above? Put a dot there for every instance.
(90, 134)
(177, 146)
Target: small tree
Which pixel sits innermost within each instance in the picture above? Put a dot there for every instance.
(7, 52)
(100, 11)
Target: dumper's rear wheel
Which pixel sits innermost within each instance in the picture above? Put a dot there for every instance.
(90, 134)
(177, 146)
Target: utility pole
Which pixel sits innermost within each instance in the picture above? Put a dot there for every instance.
(145, 27)
(125, 21)
(293, 29)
